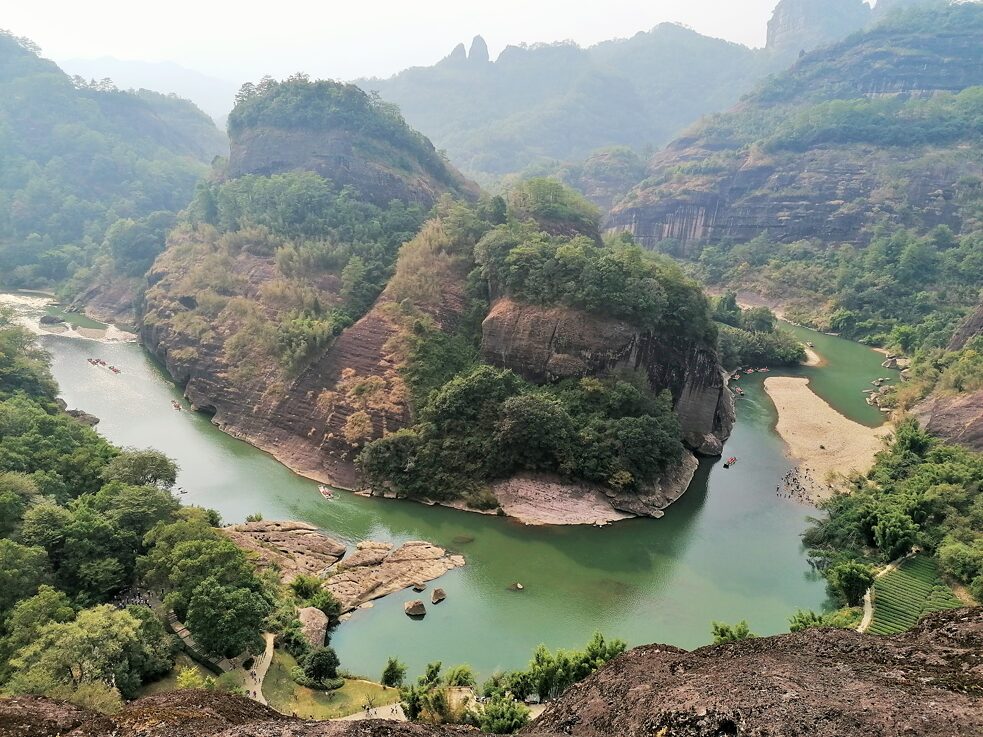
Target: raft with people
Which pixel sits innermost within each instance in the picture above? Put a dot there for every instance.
(730, 462)
(325, 491)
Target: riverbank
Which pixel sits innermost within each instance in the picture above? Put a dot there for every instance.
(829, 446)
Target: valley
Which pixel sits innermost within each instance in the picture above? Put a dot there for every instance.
(646, 580)
(488, 394)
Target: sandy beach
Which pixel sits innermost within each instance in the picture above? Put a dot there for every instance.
(828, 446)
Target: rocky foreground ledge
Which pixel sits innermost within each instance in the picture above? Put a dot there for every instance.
(820, 683)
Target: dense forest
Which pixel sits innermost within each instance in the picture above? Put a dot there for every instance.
(93, 544)
(88, 170)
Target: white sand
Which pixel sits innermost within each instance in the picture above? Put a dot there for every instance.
(829, 446)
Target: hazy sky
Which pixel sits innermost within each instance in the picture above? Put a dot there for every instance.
(246, 39)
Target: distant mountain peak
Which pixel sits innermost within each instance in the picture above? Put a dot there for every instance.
(479, 51)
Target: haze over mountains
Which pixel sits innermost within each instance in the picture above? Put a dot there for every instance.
(538, 103)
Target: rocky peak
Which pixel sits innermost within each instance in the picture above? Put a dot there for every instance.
(458, 56)
(479, 51)
(803, 25)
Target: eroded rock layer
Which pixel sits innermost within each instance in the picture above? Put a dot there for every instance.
(550, 343)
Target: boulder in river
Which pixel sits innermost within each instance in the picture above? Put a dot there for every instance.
(51, 320)
(414, 608)
(438, 596)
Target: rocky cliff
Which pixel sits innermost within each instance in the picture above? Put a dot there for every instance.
(551, 343)
(304, 421)
(803, 25)
(820, 683)
(778, 165)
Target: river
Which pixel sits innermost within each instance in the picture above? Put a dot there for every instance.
(728, 550)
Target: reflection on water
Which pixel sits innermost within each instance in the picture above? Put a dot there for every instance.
(728, 550)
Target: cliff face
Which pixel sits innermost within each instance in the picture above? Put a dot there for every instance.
(303, 421)
(971, 328)
(550, 343)
(820, 682)
(802, 25)
(744, 174)
(956, 418)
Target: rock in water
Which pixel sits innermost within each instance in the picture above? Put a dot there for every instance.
(438, 596)
(314, 624)
(289, 546)
(414, 608)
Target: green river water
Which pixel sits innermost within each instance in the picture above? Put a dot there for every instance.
(728, 550)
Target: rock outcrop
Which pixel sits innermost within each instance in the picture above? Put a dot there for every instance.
(956, 418)
(819, 682)
(376, 570)
(314, 625)
(549, 343)
(803, 25)
(292, 548)
(373, 570)
(971, 327)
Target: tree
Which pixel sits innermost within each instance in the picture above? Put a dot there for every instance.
(321, 664)
(460, 675)
(327, 603)
(23, 570)
(502, 715)
(804, 619)
(142, 468)
(189, 676)
(394, 673)
(895, 533)
(226, 620)
(723, 632)
(102, 644)
(850, 581)
(305, 586)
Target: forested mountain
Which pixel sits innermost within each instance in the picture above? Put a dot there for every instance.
(848, 187)
(282, 305)
(82, 162)
(560, 101)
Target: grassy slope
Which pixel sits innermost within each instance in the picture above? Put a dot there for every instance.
(289, 698)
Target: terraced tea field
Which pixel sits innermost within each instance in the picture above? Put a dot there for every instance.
(907, 593)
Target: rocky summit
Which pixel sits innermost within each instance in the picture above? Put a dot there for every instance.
(818, 682)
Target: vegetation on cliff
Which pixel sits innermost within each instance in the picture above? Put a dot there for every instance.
(475, 423)
(840, 187)
(921, 492)
(324, 255)
(82, 159)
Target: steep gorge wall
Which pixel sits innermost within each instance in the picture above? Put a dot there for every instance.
(551, 343)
